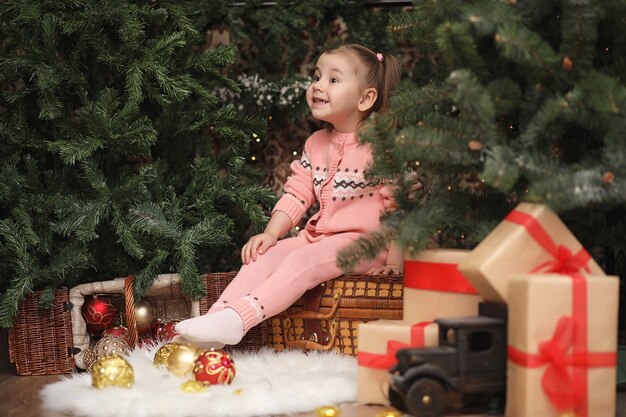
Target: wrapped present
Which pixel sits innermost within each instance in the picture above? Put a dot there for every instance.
(562, 354)
(433, 286)
(379, 341)
(530, 239)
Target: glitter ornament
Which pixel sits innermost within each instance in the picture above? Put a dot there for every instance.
(99, 314)
(109, 345)
(182, 358)
(193, 386)
(327, 411)
(389, 413)
(112, 371)
(214, 366)
(163, 353)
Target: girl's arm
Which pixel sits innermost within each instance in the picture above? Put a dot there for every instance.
(279, 224)
(394, 263)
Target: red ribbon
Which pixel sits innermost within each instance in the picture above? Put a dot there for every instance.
(435, 276)
(564, 261)
(565, 378)
(388, 359)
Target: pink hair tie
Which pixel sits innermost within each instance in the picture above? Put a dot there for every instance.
(379, 57)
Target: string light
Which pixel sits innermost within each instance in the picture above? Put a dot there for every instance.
(417, 163)
(449, 188)
(258, 139)
(295, 153)
(297, 228)
(253, 158)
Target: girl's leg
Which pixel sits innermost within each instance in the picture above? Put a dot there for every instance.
(253, 274)
(225, 322)
(301, 269)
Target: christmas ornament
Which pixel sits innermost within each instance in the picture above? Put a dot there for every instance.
(144, 316)
(110, 345)
(567, 63)
(475, 145)
(389, 413)
(327, 411)
(99, 314)
(193, 386)
(163, 353)
(164, 331)
(182, 358)
(112, 371)
(608, 178)
(89, 357)
(119, 331)
(214, 366)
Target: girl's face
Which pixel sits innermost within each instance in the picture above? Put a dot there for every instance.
(337, 94)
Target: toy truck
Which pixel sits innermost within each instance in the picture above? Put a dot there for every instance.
(470, 359)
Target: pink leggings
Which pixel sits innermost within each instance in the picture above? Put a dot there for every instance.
(280, 276)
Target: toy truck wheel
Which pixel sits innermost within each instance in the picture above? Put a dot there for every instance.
(426, 398)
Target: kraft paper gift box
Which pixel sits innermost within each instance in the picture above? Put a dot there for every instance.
(379, 340)
(530, 239)
(562, 335)
(434, 288)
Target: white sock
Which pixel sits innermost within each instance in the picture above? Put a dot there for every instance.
(223, 326)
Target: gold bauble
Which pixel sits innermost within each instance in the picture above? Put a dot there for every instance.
(111, 344)
(182, 358)
(327, 411)
(112, 371)
(193, 386)
(163, 353)
(389, 413)
(144, 316)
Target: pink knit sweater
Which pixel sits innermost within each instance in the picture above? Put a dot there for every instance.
(330, 171)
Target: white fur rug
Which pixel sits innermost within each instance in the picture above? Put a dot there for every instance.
(265, 383)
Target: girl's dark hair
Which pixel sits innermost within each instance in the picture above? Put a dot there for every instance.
(382, 74)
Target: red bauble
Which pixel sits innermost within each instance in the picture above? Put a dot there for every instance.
(99, 314)
(214, 366)
(119, 331)
(164, 331)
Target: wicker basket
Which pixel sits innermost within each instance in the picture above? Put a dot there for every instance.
(40, 339)
(327, 317)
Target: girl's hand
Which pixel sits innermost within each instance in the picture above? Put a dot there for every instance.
(385, 270)
(257, 244)
(388, 191)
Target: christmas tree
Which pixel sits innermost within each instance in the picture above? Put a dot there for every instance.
(116, 155)
(511, 101)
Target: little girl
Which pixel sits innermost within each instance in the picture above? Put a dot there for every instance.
(350, 83)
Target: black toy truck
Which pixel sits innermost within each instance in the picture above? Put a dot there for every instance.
(470, 359)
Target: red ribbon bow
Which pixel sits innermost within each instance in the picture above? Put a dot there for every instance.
(558, 382)
(388, 359)
(564, 261)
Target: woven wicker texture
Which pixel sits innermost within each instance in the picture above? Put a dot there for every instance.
(354, 298)
(39, 338)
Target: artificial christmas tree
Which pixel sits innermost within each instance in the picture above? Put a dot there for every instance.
(513, 101)
(116, 155)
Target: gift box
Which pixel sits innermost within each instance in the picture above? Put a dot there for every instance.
(434, 287)
(530, 239)
(562, 355)
(379, 341)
